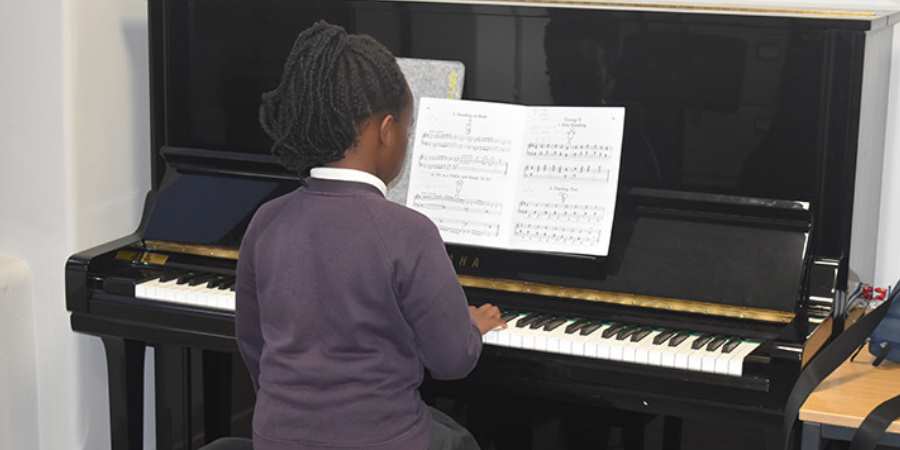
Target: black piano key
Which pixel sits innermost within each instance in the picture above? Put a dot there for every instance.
(612, 330)
(639, 335)
(185, 277)
(731, 345)
(679, 338)
(168, 276)
(541, 322)
(716, 343)
(525, 321)
(218, 282)
(588, 329)
(196, 281)
(576, 325)
(226, 283)
(663, 336)
(701, 340)
(230, 284)
(554, 324)
(509, 315)
(626, 332)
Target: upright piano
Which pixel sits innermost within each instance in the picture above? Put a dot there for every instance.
(749, 186)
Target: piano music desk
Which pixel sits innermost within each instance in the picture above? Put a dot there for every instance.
(839, 405)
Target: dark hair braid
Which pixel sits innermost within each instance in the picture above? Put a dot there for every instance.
(332, 82)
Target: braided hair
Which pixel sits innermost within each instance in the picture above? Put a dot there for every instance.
(332, 83)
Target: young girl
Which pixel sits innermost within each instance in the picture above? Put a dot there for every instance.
(343, 296)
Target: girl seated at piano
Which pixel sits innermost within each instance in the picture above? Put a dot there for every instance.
(342, 296)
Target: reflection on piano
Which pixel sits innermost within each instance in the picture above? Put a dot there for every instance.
(740, 182)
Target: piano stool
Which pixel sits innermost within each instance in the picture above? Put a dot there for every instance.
(229, 444)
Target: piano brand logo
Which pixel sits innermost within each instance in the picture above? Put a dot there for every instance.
(465, 262)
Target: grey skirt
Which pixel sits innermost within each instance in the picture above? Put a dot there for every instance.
(446, 434)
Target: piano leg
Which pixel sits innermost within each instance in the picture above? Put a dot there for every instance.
(173, 397)
(774, 439)
(672, 433)
(217, 405)
(125, 369)
(633, 435)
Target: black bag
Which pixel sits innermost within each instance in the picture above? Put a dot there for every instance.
(829, 358)
(885, 340)
(876, 423)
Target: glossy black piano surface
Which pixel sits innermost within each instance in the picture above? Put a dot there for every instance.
(735, 198)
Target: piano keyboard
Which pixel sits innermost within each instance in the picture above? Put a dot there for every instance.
(193, 289)
(617, 341)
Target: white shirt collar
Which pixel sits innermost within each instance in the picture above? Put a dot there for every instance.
(340, 174)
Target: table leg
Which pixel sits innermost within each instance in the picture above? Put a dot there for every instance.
(812, 436)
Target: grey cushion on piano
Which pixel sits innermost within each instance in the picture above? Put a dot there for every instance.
(230, 444)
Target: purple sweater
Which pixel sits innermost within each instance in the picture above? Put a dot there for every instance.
(342, 298)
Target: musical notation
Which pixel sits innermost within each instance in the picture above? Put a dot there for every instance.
(466, 227)
(568, 172)
(557, 234)
(465, 162)
(568, 151)
(442, 140)
(444, 202)
(517, 177)
(560, 212)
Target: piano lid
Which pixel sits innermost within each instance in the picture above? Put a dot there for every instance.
(845, 11)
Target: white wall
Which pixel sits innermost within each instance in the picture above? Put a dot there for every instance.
(887, 261)
(109, 115)
(18, 387)
(73, 137)
(34, 181)
(73, 171)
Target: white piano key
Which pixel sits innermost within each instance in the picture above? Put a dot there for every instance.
(603, 344)
(643, 349)
(595, 346)
(683, 352)
(736, 364)
(616, 349)
(723, 364)
(556, 338)
(199, 296)
(695, 358)
(709, 358)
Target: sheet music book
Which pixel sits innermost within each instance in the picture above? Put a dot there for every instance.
(426, 78)
(518, 177)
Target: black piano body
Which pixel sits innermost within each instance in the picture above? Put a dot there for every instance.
(750, 171)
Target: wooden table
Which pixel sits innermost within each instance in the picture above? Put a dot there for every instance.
(838, 406)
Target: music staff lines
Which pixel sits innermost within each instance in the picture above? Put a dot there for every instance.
(466, 163)
(557, 234)
(568, 172)
(467, 227)
(439, 202)
(462, 142)
(560, 212)
(591, 152)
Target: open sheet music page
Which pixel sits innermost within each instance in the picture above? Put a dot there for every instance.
(463, 168)
(569, 175)
(516, 177)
